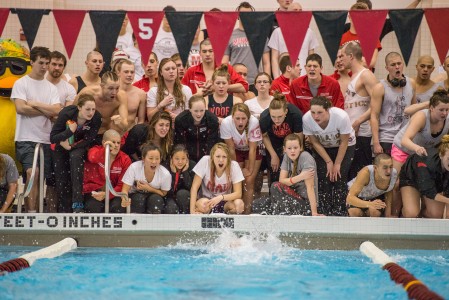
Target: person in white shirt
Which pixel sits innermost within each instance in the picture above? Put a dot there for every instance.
(277, 45)
(146, 182)
(220, 180)
(165, 44)
(263, 99)
(241, 132)
(37, 102)
(170, 94)
(333, 139)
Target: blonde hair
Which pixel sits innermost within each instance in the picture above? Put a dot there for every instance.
(444, 146)
(180, 98)
(278, 102)
(244, 109)
(225, 148)
(221, 71)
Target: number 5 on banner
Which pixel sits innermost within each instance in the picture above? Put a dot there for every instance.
(144, 25)
(145, 30)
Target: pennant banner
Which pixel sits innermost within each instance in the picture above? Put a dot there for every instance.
(368, 25)
(145, 27)
(69, 23)
(257, 27)
(439, 30)
(332, 26)
(107, 25)
(294, 27)
(30, 19)
(4, 13)
(219, 28)
(406, 24)
(184, 26)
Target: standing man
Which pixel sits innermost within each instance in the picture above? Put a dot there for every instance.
(36, 101)
(239, 51)
(110, 102)
(289, 73)
(165, 44)
(66, 91)
(357, 105)
(149, 79)
(390, 97)
(341, 74)
(136, 97)
(425, 87)
(198, 78)
(277, 43)
(313, 84)
(94, 64)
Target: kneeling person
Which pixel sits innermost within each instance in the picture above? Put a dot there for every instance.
(371, 192)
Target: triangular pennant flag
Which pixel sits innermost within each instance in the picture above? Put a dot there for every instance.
(438, 28)
(219, 28)
(183, 26)
(332, 26)
(69, 23)
(30, 19)
(107, 25)
(406, 24)
(368, 25)
(145, 26)
(294, 27)
(257, 27)
(4, 13)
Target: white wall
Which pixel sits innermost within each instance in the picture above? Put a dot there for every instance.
(49, 36)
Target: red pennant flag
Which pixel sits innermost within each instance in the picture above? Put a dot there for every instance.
(145, 27)
(4, 13)
(368, 24)
(219, 28)
(294, 27)
(438, 28)
(69, 23)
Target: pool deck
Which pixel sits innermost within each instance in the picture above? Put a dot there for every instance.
(133, 230)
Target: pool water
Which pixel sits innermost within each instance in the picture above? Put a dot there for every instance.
(230, 267)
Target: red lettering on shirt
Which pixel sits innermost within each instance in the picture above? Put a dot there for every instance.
(282, 130)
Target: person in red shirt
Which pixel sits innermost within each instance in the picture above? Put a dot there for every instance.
(198, 78)
(313, 84)
(94, 177)
(149, 79)
(289, 73)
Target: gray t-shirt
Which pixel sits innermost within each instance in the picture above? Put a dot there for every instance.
(12, 175)
(239, 51)
(305, 162)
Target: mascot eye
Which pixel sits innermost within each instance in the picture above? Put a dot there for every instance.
(2, 68)
(18, 67)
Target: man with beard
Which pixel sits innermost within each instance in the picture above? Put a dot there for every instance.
(66, 91)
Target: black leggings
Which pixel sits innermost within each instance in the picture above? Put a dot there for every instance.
(179, 203)
(147, 203)
(332, 195)
(92, 205)
(69, 170)
(273, 176)
(363, 156)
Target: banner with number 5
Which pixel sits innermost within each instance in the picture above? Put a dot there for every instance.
(145, 26)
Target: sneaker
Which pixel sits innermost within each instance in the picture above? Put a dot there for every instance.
(78, 207)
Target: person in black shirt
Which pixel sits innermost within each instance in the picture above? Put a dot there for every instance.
(276, 122)
(426, 178)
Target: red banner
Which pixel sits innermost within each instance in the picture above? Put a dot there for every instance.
(368, 25)
(438, 28)
(294, 27)
(69, 23)
(219, 28)
(145, 27)
(4, 13)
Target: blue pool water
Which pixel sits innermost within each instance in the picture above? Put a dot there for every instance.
(227, 268)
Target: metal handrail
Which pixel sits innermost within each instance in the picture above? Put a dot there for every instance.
(38, 150)
(109, 187)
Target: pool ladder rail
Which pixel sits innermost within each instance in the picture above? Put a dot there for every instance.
(39, 152)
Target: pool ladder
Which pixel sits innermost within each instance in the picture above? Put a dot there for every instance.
(38, 150)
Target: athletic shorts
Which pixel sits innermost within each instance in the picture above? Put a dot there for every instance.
(399, 155)
(25, 155)
(241, 156)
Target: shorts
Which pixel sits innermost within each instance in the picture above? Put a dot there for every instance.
(241, 156)
(399, 155)
(365, 209)
(25, 155)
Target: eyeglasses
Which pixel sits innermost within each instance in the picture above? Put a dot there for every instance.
(262, 81)
(16, 65)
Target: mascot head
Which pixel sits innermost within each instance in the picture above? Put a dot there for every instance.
(14, 64)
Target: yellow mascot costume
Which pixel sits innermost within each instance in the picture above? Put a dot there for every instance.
(14, 64)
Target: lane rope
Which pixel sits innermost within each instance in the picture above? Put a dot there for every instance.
(27, 260)
(415, 288)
